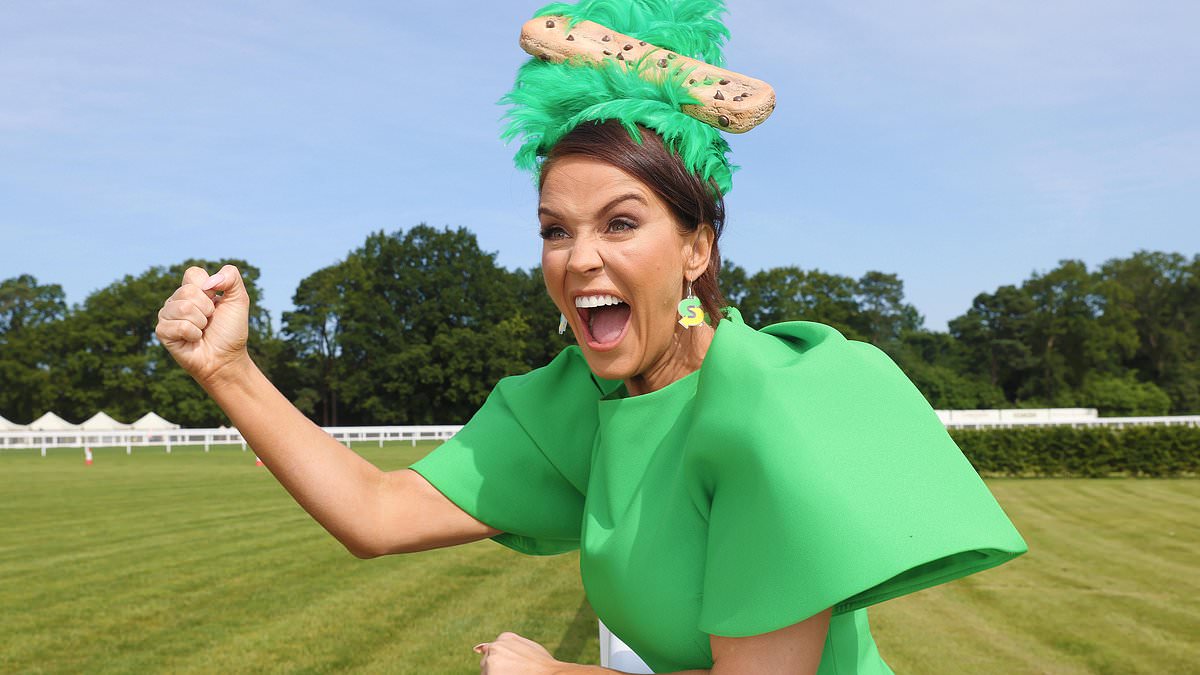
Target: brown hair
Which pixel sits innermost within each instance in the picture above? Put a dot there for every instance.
(692, 200)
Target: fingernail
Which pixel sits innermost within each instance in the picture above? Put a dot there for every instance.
(213, 281)
(478, 648)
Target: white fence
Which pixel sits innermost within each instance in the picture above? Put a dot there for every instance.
(43, 440)
(1041, 417)
(1116, 422)
(953, 419)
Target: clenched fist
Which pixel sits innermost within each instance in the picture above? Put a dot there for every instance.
(204, 331)
(511, 654)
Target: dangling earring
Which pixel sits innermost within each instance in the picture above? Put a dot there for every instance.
(690, 310)
(562, 323)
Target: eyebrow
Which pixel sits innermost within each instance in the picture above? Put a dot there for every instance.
(613, 202)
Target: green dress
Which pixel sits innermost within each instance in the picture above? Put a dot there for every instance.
(795, 471)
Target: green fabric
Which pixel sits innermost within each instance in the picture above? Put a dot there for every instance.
(795, 471)
(548, 100)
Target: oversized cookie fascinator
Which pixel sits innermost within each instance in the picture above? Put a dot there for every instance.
(654, 63)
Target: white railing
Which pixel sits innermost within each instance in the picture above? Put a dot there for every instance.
(1116, 422)
(73, 438)
(43, 440)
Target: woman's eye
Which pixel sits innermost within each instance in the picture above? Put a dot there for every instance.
(553, 232)
(621, 225)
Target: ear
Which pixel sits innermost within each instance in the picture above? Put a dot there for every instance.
(697, 250)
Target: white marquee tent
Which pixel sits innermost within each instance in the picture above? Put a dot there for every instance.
(51, 422)
(152, 422)
(5, 425)
(102, 422)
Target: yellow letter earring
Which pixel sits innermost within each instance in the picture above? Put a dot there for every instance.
(562, 323)
(689, 310)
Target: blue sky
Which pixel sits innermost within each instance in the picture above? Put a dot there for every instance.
(962, 145)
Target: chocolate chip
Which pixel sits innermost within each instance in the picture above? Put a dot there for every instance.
(737, 98)
(746, 95)
(724, 82)
(550, 24)
(662, 63)
(719, 96)
(606, 38)
(570, 38)
(670, 56)
(607, 53)
(723, 121)
(627, 47)
(691, 82)
(620, 57)
(642, 44)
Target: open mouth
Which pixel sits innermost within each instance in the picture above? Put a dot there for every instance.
(605, 319)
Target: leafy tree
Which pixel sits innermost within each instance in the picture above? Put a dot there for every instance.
(314, 331)
(542, 341)
(28, 314)
(790, 294)
(1123, 395)
(26, 304)
(883, 316)
(733, 282)
(1160, 293)
(1070, 333)
(992, 334)
(103, 354)
(421, 325)
(417, 326)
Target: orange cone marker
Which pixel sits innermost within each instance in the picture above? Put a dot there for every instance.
(87, 456)
(257, 461)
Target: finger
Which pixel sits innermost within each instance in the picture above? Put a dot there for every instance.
(195, 276)
(178, 331)
(197, 297)
(480, 648)
(191, 294)
(184, 310)
(213, 281)
(228, 281)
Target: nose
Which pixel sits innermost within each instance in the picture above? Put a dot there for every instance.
(585, 256)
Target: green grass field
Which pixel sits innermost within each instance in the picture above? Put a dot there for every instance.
(200, 562)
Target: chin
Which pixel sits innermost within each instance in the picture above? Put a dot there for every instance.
(609, 365)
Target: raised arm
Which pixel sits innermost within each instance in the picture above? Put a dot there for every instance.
(371, 512)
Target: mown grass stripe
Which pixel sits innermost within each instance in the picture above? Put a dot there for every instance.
(199, 562)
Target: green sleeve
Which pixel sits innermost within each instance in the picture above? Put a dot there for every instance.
(521, 463)
(847, 490)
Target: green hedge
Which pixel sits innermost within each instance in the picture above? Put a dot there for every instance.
(1090, 452)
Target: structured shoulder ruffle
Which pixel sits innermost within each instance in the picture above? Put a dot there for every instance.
(828, 481)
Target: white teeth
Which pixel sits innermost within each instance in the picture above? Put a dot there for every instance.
(597, 300)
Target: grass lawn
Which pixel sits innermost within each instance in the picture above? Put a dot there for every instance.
(200, 562)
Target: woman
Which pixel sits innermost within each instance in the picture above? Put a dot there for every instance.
(739, 497)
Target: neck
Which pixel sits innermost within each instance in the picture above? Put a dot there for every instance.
(683, 357)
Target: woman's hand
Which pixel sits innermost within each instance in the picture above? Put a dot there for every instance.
(206, 332)
(511, 654)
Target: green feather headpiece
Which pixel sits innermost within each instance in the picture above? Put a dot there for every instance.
(549, 99)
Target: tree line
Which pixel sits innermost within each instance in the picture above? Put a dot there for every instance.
(416, 326)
